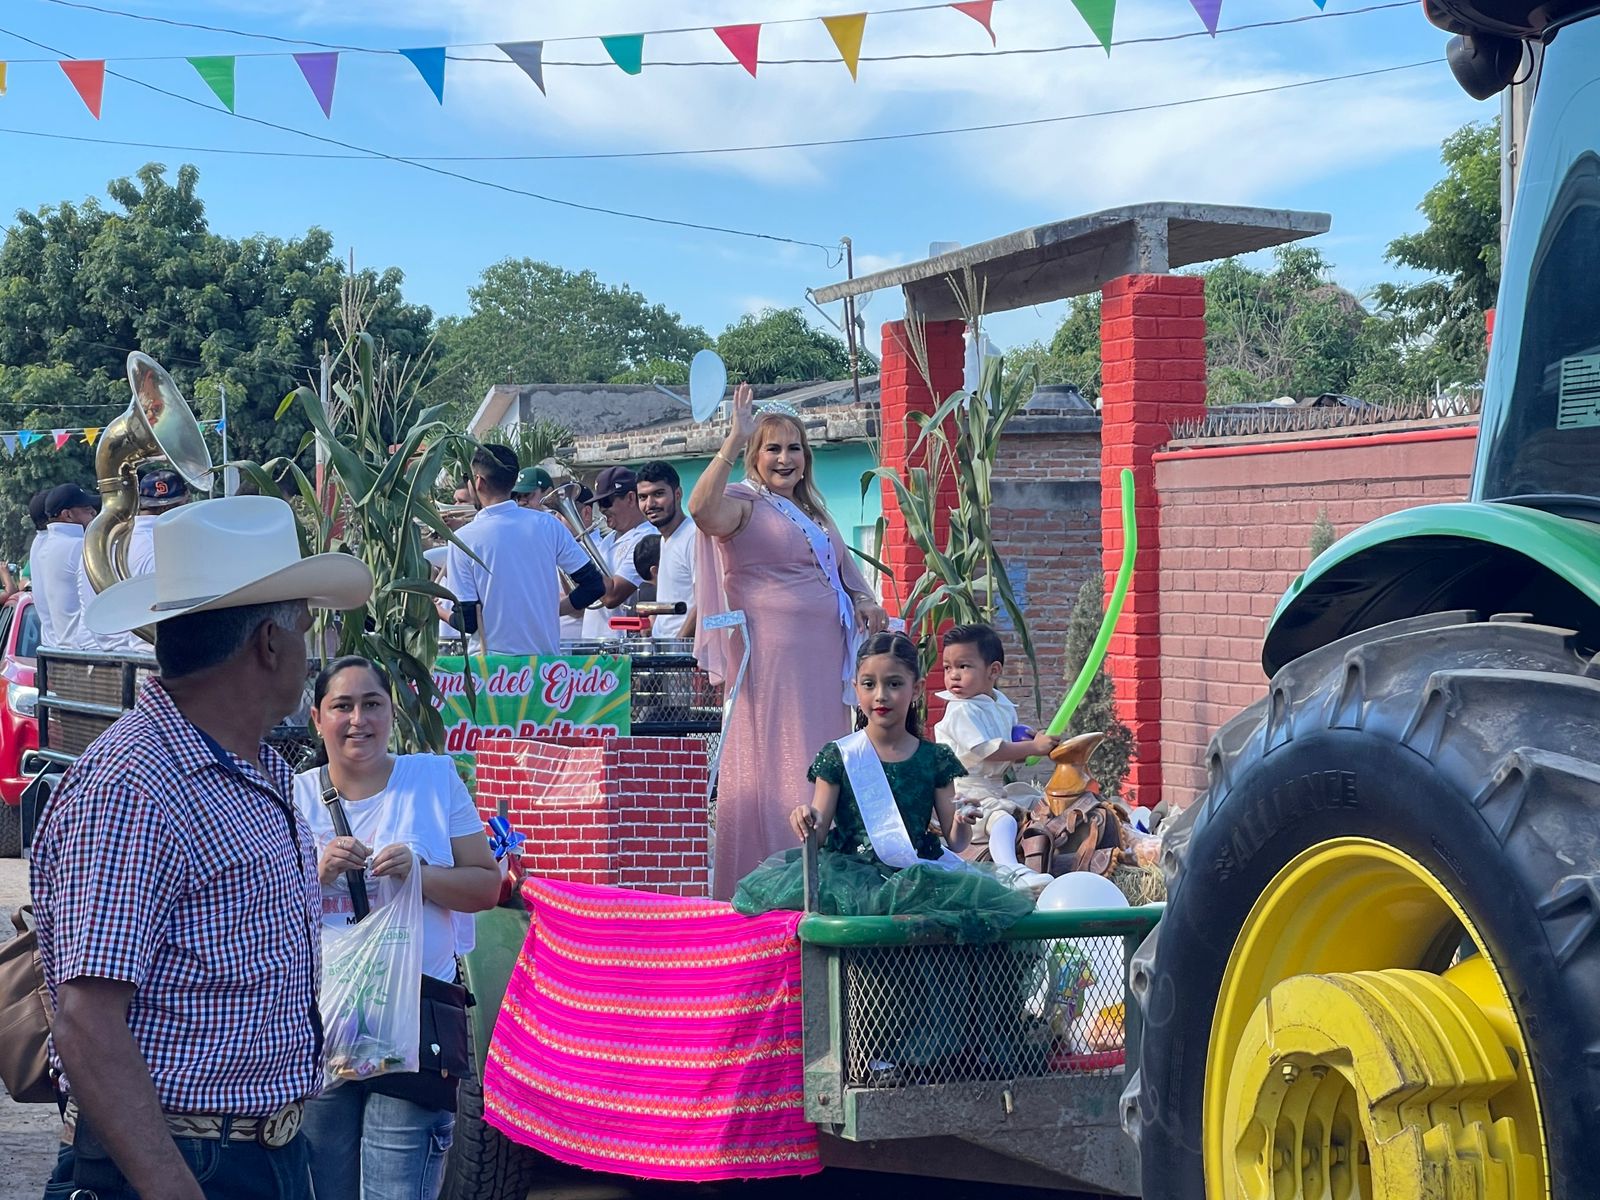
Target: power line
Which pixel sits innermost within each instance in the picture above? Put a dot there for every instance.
(558, 201)
(863, 139)
(606, 64)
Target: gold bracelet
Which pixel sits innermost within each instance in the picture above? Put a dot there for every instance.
(726, 459)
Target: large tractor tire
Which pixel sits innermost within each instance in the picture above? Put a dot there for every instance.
(1378, 974)
(10, 830)
(483, 1163)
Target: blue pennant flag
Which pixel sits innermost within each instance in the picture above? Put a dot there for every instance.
(429, 63)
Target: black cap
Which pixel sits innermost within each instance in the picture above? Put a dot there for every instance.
(615, 481)
(159, 489)
(68, 495)
(585, 496)
(36, 507)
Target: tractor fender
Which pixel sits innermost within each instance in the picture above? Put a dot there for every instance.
(1489, 556)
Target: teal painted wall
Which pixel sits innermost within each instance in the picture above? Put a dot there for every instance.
(838, 475)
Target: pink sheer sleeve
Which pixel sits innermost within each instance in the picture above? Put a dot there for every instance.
(718, 650)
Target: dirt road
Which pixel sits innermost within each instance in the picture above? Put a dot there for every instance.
(29, 1133)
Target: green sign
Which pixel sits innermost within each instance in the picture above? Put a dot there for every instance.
(584, 696)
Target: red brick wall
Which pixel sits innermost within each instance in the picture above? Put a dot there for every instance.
(1235, 529)
(1153, 355)
(629, 812)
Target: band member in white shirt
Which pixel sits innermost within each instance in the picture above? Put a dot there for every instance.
(661, 501)
(58, 591)
(159, 491)
(508, 594)
(616, 492)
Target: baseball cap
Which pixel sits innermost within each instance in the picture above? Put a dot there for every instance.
(531, 479)
(36, 506)
(585, 496)
(161, 488)
(68, 495)
(614, 481)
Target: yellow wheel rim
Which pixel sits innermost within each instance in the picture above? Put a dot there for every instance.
(1356, 1055)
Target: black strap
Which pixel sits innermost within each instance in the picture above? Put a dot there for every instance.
(341, 826)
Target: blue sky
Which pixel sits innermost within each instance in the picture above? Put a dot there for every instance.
(1362, 150)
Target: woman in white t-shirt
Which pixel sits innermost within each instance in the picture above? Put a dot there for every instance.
(403, 809)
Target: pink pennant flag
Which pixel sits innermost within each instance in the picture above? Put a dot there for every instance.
(741, 41)
(62, 437)
(88, 76)
(981, 11)
(321, 70)
(1210, 12)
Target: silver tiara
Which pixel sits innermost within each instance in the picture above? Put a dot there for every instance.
(778, 408)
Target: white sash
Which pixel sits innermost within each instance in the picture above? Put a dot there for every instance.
(822, 549)
(885, 827)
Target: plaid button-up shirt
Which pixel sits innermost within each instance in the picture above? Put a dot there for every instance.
(165, 862)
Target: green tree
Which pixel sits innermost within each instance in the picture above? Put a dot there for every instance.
(1459, 251)
(531, 322)
(779, 346)
(1073, 355)
(1098, 711)
(83, 284)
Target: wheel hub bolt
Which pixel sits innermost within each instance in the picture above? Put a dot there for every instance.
(1290, 1072)
(1319, 1072)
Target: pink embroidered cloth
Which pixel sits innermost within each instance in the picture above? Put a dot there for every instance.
(653, 1036)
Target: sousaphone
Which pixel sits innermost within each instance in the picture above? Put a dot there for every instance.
(157, 425)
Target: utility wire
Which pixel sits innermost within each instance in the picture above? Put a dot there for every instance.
(599, 209)
(713, 150)
(607, 64)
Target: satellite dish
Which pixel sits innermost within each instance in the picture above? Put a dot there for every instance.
(708, 381)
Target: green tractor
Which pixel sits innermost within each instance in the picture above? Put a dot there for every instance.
(1378, 974)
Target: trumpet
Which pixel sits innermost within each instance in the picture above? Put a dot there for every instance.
(563, 501)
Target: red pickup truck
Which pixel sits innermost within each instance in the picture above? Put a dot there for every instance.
(19, 726)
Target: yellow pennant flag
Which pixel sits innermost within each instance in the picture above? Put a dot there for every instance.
(91, 433)
(846, 32)
(2, 78)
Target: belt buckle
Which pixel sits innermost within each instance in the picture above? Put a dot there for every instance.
(278, 1130)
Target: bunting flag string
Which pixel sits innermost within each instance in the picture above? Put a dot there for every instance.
(429, 63)
(319, 71)
(742, 42)
(20, 439)
(217, 71)
(625, 51)
(847, 32)
(982, 11)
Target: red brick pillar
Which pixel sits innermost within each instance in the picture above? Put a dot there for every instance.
(910, 384)
(1153, 355)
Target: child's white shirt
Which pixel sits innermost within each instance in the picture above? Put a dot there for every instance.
(974, 728)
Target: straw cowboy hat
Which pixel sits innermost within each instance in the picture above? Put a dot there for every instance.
(228, 553)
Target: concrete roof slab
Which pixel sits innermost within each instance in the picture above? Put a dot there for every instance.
(1079, 255)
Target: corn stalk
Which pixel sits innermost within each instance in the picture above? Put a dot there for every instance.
(965, 577)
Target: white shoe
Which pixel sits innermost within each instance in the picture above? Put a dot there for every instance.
(1022, 879)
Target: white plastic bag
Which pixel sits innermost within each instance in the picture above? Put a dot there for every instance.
(372, 985)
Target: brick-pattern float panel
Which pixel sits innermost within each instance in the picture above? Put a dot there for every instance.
(628, 812)
(1235, 531)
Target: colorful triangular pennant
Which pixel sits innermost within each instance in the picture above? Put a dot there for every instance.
(529, 56)
(10, 439)
(1210, 12)
(88, 76)
(320, 70)
(91, 433)
(982, 11)
(217, 71)
(61, 436)
(219, 425)
(1099, 15)
(626, 50)
(846, 32)
(29, 437)
(742, 42)
(2, 78)
(429, 62)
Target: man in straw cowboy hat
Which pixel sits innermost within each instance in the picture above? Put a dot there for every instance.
(176, 894)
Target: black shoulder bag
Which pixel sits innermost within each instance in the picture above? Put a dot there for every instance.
(443, 1058)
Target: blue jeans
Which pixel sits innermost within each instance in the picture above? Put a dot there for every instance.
(225, 1171)
(370, 1147)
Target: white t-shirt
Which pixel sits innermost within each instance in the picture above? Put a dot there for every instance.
(57, 576)
(618, 549)
(675, 577)
(142, 545)
(424, 806)
(516, 588)
(974, 729)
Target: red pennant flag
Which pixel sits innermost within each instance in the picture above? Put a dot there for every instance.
(980, 11)
(62, 437)
(88, 76)
(741, 41)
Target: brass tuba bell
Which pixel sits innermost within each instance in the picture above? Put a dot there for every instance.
(158, 424)
(563, 501)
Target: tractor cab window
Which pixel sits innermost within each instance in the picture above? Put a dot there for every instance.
(1541, 425)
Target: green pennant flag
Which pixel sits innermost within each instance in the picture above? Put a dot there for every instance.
(1098, 15)
(626, 50)
(217, 71)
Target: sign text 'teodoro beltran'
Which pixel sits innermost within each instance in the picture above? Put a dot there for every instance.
(585, 696)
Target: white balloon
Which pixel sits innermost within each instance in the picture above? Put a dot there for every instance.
(1080, 889)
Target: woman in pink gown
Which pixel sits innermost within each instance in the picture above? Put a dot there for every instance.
(768, 547)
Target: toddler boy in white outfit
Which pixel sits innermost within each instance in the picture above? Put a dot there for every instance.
(978, 724)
